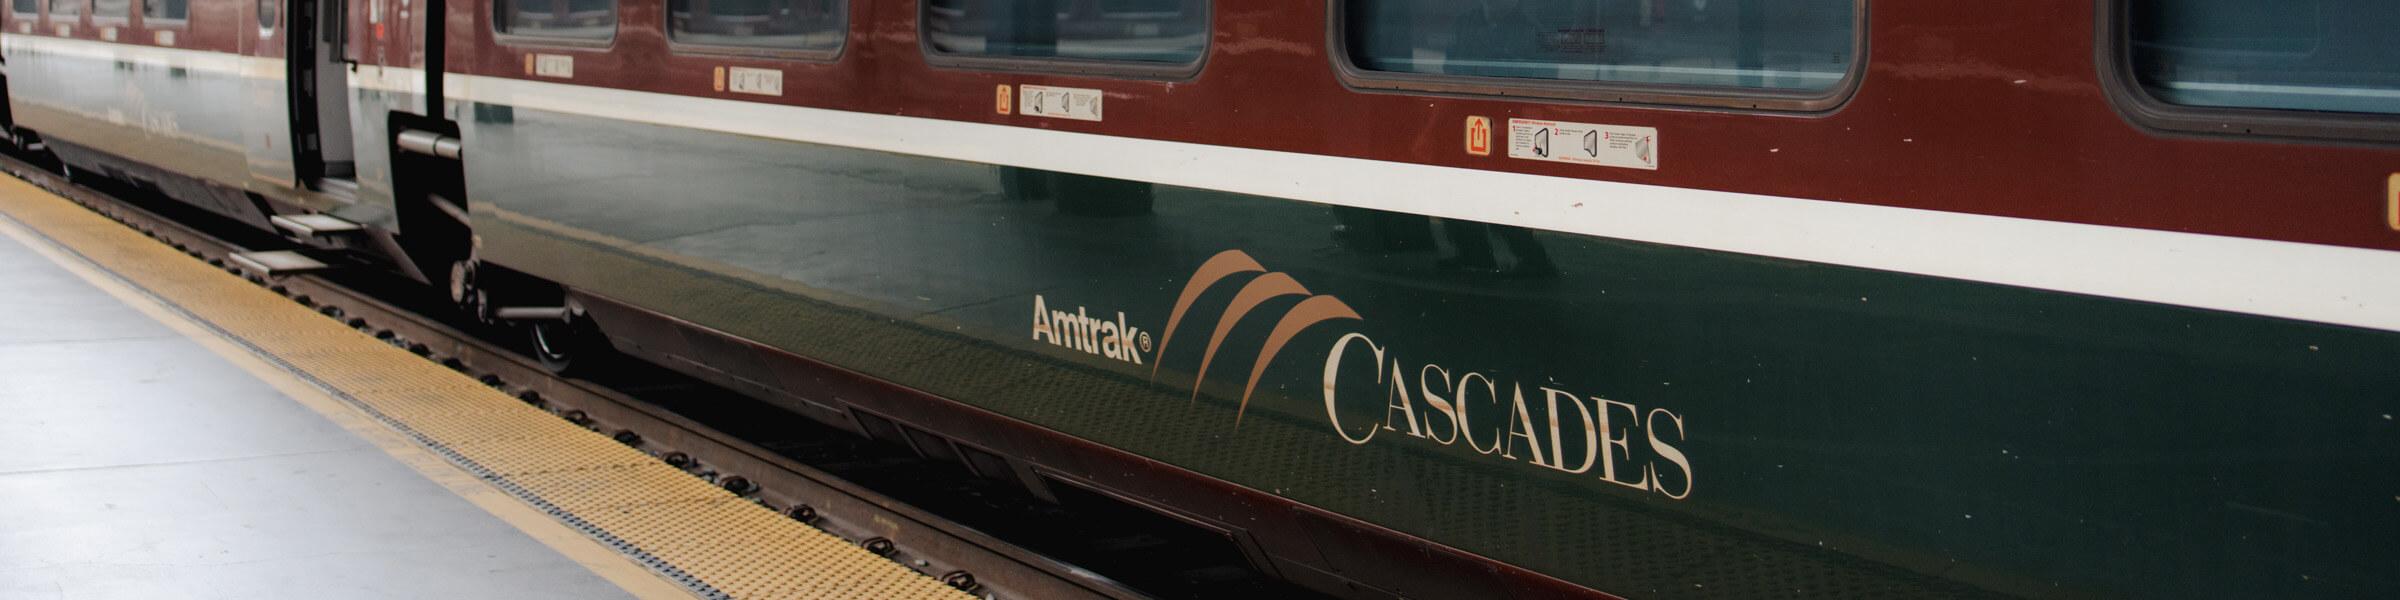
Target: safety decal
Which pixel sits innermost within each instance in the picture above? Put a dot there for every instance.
(2391, 202)
(762, 82)
(1080, 104)
(1479, 136)
(550, 65)
(1621, 146)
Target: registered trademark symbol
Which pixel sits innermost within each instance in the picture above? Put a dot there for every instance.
(1144, 340)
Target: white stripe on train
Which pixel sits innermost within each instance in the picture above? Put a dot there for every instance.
(2310, 282)
(202, 61)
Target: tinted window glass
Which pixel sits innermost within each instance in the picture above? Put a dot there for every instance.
(112, 8)
(165, 10)
(2321, 55)
(24, 6)
(1801, 45)
(1155, 31)
(66, 8)
(266, 14)
(574, 19)
(788, 24)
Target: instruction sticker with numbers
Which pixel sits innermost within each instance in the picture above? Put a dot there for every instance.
(1619, 146)
(1059, 102)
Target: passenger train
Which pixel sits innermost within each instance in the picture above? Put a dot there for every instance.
(1405, 298)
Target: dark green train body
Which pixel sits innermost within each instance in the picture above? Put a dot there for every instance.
(1532, 299)
(1909, 434)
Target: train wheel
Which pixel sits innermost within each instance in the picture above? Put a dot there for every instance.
(569, 346)
(467, 293)
(462, 282)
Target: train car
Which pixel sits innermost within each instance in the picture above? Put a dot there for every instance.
(1477, 298)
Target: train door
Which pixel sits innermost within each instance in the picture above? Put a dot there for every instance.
(266, 101)
(317, 80)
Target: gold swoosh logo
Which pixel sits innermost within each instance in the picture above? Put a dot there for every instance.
(1314, 310)
(1309, 312)
(1224, 264)
(1266, 287)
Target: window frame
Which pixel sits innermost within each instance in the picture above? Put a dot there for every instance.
(2113, 44)
(535, 40)
(1337, 48)
(149, 22)
(666, 28)
(1097, 67)
(92, 7)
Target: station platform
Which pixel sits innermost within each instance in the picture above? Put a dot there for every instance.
(177, 432)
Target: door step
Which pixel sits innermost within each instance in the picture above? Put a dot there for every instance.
(314, 225)
(337, 180)
(276, 263)
(532, 313)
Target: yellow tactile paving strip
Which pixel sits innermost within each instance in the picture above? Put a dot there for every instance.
(690, 531)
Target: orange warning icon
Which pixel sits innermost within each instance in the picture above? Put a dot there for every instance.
(1005, 101)
(2391, 202)
(1479, 136)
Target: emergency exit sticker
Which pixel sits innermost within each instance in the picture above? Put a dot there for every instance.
(1621, 146)
(1080, 104)
(745, 80)
(550, 65)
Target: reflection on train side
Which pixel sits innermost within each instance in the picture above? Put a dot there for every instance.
(1365, 231)
(1162, 31)
(1802, 45)
(1381, 233)
(794, 24)
(579, 19)
(1079, 195)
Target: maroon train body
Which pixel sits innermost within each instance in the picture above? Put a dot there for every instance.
(2007, 174)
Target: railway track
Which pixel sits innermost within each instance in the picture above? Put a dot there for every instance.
(935, 517)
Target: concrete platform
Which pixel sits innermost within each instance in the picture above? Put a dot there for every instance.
(141, 464)
(182, 432)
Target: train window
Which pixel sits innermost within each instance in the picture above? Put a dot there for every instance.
(24, 7)
(559, 19)
(266, 15)
(66, 8)
(165, 10)
(2298, 55)
(1155, 32)
(1802, 46)
(112, 9)
(811, 25)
